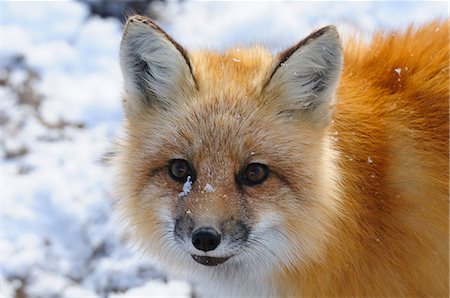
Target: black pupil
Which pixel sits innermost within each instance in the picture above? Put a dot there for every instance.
(179, 169)
(255, 173)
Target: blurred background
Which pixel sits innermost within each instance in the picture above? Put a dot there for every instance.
(60, 89)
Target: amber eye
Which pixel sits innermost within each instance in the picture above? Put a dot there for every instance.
(254, 173)
(179, 170)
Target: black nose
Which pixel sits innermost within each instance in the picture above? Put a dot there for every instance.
(205, 239)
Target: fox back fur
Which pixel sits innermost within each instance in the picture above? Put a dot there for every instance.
(320, 171)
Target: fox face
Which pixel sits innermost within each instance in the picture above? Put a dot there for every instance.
(225, 159)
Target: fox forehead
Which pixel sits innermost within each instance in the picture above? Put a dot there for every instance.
(211, 128)
(228, 99)
(239, 72)
(226, 103)
(228, 115)
(227, 122)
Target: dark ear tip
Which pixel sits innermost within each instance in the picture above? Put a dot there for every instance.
(132, 19)
(330, 29)
(327, 30)
(140, 19)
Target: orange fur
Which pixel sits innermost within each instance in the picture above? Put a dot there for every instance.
(393, 239)
(362, 201)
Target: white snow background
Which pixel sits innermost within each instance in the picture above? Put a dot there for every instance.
(60, 87)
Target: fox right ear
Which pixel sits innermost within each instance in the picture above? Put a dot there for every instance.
(156, 69)
(305, 76)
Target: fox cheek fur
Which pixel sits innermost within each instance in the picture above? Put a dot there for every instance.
(234, 175)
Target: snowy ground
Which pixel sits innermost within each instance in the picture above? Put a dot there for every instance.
(60, 109)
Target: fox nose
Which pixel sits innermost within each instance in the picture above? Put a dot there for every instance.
(205, 239)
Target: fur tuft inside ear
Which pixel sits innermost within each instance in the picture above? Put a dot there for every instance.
(156, 69)
(306, 75)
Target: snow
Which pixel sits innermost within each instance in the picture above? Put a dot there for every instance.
(280, 24)
(208, 188)
(172, 289)
(61, 20)
(7, 289)
(61, 108)
(186, 187)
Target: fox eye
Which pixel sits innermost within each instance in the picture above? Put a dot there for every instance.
(254, 173)
(179, 170)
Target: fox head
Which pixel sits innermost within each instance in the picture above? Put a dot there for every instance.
(225, 162)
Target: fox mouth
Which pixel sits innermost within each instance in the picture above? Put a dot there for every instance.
(209, 261)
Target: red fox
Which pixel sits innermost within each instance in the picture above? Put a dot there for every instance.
(320, 171)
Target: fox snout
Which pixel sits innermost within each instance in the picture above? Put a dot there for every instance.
(210, 242)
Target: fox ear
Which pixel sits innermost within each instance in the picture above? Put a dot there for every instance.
(156, 69)
(306, 75)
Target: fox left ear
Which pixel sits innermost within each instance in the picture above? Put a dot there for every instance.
(156, 70)
(306, 75)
